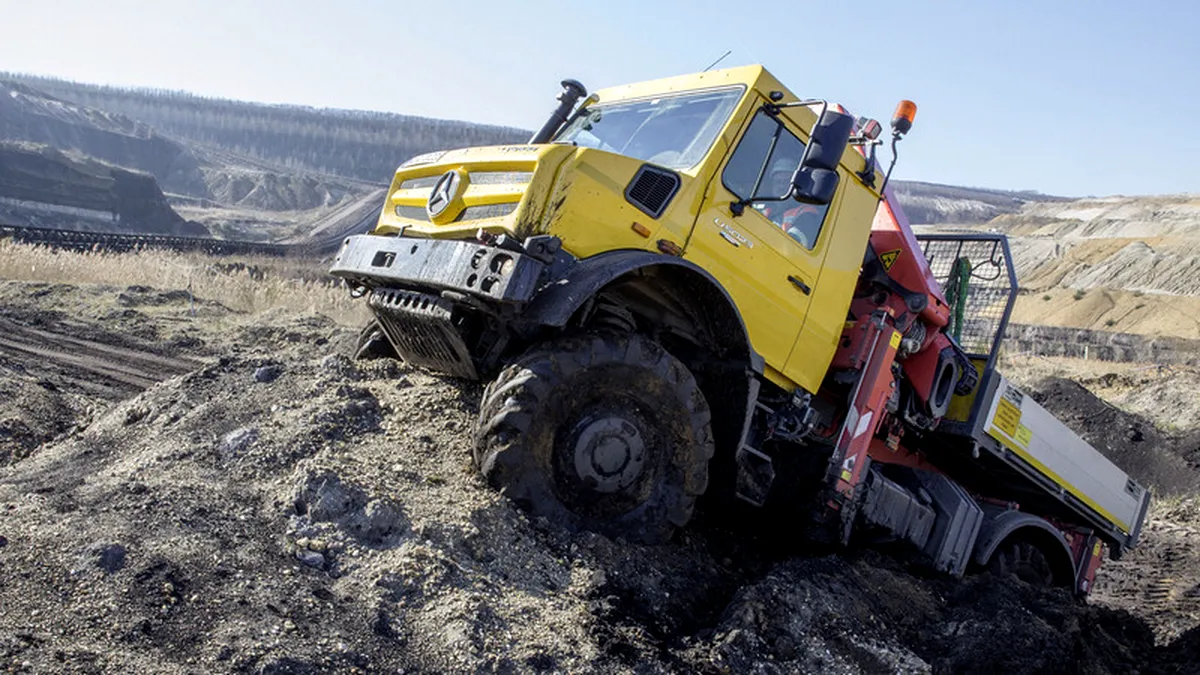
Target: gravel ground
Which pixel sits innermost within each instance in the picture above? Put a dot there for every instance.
(280, 509)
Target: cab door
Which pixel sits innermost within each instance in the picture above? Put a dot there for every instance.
(771, 273)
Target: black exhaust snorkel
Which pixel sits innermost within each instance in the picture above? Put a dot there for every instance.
(570, 95)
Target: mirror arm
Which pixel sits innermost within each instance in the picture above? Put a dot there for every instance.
(888, 175)
(800, 104)
(867, 175)
(739, 207)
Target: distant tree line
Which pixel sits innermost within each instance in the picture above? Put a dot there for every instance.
(351, 143)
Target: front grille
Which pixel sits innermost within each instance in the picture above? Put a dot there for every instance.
(469, 213)
(500, 177)
(422, 182)
(652, 189)
(474, 178)
(487, 211)
(412, 212)
(475, 212)
(419, 327)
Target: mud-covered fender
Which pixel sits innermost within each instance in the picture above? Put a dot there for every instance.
(999, 524)
(559, 300)
(730, 381)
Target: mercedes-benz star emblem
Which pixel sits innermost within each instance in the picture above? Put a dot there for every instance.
(443, 193)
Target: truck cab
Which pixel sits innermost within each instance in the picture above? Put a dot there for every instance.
(688, 166)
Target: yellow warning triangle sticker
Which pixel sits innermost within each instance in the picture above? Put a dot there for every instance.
(888, 258)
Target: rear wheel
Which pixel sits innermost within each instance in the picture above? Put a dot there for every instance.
(1023, 559)
(609, 433)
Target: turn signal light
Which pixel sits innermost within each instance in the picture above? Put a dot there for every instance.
(903, 118)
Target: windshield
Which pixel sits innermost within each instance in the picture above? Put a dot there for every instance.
(672, 131)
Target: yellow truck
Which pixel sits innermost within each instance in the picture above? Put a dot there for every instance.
(703, 284)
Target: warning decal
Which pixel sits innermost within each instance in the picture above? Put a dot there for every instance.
(1023, 436)
(1008, 417)
(888, 258)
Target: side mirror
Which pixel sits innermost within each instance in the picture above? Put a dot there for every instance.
(816, 178)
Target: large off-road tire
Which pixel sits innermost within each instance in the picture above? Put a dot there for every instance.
(373, 344)
(608, 433)
(1025, 560)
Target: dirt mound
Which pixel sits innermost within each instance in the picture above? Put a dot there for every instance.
(1180, 656)
(303, 512)
(843, 615)
(1159, 580)
(274, 513)
(1165, 394)
(282, 509)
(33, 411)
(1132, 442)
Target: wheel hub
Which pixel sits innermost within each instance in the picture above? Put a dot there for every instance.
(609, 453)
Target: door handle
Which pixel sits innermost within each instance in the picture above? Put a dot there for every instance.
(799, 283)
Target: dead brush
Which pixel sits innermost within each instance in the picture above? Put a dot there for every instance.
(243, 283)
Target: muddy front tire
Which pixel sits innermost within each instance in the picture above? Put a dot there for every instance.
(608, 433)
(373, 344)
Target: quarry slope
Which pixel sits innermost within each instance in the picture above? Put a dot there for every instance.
(223, 189)
(1123, 264)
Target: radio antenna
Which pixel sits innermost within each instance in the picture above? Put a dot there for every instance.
(727, 53)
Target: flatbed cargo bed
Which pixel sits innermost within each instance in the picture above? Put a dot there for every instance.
(998, 440)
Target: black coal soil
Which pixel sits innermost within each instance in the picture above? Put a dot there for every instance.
(1162, 461)
(281, 509)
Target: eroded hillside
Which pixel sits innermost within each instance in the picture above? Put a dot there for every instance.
(191, 173)
(1119, 264)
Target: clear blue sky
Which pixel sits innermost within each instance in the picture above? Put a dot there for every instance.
(1064, 97)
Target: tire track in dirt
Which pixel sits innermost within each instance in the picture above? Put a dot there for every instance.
(128, 370)
(1160, 579)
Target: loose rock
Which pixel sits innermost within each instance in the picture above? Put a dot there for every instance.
(268, 373)
(108, 557)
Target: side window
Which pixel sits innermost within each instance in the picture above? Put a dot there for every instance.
(741, 173)
(767, 144)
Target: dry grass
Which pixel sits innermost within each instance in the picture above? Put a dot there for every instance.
(242, 283)
(1027, 368)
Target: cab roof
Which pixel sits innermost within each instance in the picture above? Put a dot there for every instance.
(753, 77)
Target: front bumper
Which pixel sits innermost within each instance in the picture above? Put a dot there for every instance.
(435, 265)
(438, 300)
